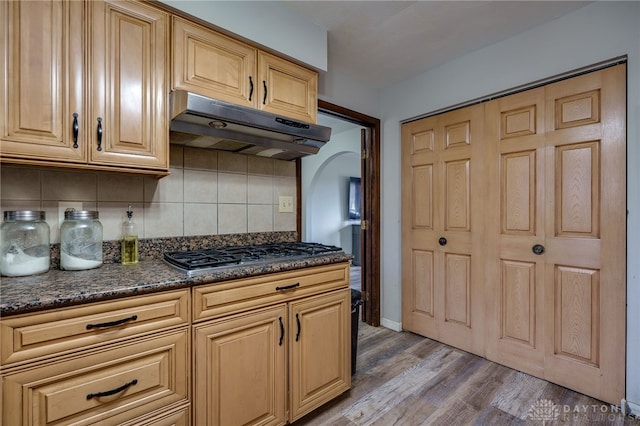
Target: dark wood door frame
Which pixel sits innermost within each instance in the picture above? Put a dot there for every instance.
(370, 206)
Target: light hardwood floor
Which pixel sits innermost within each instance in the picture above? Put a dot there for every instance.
(406, 379)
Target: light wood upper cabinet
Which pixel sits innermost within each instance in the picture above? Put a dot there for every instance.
(287, 88)
(129, 52)
(212, 64)
(43, 80)
(86, 85)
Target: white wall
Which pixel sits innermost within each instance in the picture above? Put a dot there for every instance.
(597, 32)
(324, 192)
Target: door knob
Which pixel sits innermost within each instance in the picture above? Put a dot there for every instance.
(442, 241)
(537, 249)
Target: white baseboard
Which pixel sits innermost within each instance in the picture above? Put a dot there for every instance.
(392, 325)
(630, 407)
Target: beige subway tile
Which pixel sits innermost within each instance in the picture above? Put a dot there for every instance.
(284, 168)
(232, 218)
(200, 159)
(176, 156)
(232, 188)
(230, 162)
(283, 221)
(68, 185)
(120, 187)
(259, 218)
(260, 190)
(163, 220)
(55, 217)
(284, 186)
(200, 219)
(200, 186)
(19, 183)
(168, 189)
(260, 165)
(113, 215)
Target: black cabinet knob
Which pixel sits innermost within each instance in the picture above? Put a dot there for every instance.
(537, 249)
(442, 241)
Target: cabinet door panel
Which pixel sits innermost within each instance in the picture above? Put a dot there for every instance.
(320, 351)
(212, 64)
(43, 48)
(241, 360)
(109, 386)
(129, 85)
(286, 88)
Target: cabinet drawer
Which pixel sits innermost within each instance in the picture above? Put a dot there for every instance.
(227, 297)
(32, 336)
(106, 387)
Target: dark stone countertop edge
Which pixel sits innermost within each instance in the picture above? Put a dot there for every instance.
(58, 289)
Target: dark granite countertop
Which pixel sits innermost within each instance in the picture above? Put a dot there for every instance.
(58, 288)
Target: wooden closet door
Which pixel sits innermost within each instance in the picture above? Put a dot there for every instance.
(585, 233)
(443, 207)
(516, 147)
(557, 258)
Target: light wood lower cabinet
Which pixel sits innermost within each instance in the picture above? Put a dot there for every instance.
(273, 364)
(118, 362)
(106, 386)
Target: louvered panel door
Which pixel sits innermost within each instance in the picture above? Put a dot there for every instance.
(443, 261)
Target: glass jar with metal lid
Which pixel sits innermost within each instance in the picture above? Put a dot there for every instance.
(80, 240)
(24, 243)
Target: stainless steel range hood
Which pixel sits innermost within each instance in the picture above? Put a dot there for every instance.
(209, 123)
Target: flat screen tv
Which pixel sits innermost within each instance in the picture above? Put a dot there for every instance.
(355, 208)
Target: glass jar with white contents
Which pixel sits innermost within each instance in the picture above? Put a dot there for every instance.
(24, 243)
(80, 240)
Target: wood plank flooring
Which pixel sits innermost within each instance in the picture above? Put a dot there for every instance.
(405, 379)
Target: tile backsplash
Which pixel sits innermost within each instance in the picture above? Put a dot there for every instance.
(207, 193)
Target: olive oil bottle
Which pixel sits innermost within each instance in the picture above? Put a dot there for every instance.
(129, 244)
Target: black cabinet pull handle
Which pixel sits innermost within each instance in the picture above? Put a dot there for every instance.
(99, 133)
(288, 287)
(538, 249)
(112, 323)
(281, 331)
(442, 241)
(264, 98)
(76, 128)
(113, 391)
(298, 322)
(250, 88)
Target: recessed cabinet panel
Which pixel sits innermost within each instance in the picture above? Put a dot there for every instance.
(130, 60)
(42, 65)
(107, 386)
(457, 208)
(422, 283)
(422, 201)
(286, 88)
(319, 340)
(239, 360)
(214, 65)
(458, 289)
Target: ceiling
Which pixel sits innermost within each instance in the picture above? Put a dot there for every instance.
(384, 42)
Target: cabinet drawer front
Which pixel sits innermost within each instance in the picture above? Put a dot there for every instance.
(32, 336)
(106, 386)
(228, 297)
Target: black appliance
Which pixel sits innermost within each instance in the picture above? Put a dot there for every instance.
(199, 262)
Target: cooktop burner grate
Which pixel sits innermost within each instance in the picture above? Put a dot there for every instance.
(195, 262)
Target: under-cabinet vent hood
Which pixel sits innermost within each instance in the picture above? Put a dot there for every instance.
(203, 122)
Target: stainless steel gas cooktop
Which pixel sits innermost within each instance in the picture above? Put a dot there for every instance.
(198, 262)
